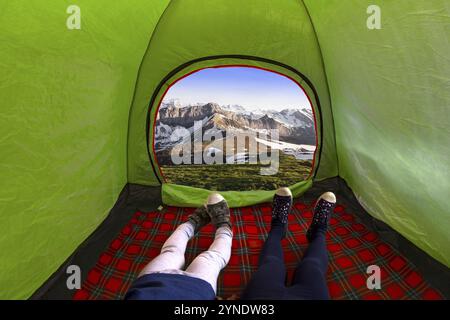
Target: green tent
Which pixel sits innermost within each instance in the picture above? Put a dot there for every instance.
(77, 105)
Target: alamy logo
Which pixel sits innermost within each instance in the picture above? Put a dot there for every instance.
(74, 279)
(374, 20)
(73, 22)
(374, 280)
(247, 148)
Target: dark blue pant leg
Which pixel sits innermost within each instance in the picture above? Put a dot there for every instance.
(268, 282)
(310, 275)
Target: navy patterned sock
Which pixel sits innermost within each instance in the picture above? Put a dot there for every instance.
(322, 213)
(280, 211)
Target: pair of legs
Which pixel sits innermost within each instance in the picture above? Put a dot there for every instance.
(309, 280)
(208, 264)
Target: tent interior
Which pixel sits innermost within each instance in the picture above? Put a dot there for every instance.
(82, 176)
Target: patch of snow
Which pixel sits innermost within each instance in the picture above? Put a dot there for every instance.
(171, 103)
(179, 133)
(299, 151)
(235, 108)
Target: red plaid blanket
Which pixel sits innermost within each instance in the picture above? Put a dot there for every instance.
(352, 248)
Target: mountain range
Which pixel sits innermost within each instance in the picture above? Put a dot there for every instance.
(295, 126)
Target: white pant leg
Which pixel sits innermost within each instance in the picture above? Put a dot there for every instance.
(172, 252)
(208, 264)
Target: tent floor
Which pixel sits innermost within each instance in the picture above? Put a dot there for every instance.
(134, 232)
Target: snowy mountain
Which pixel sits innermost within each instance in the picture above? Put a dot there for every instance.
(291, 117)
(175, 124)
(235, 108)
(294, 118)
(171, 103)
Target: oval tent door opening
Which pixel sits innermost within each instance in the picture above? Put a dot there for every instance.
(235, 128)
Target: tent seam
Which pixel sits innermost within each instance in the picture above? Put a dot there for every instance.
(137, 80)
(326, 81)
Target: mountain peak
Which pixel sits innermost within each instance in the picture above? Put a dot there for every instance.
(265, 117)
(235, 108)
(173, 103)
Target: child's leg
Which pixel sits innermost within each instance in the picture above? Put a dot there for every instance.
(172, 252)
(208, 264)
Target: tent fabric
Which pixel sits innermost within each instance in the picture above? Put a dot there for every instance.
(65, 98)
(352, 248)
(184, 196)
(390, 97)
(75, 103)
(176, 41)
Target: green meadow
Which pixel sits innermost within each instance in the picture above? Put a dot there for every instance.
(223, 177)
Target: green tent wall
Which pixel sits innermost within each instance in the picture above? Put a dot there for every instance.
(74, 108)
(65, 98)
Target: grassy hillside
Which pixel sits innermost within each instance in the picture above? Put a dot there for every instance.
(224, 177)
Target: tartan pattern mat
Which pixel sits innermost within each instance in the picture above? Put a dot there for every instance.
(352, 248)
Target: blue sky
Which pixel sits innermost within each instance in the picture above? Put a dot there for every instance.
(248, 87)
